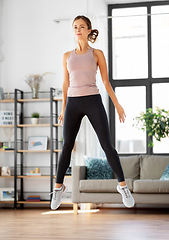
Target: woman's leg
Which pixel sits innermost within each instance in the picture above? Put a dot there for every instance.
(71, 125)
(98, 118)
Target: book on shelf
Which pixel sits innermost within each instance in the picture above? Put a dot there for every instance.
(32, 196)
(33, 200)
(29, 198)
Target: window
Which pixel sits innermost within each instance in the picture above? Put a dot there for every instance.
(138, 70)
(161, 100)
(129, 139)
(129, 43)
(160, 41)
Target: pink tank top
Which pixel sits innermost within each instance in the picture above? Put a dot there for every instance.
(82, 70)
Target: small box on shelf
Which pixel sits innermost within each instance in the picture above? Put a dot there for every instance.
(34, 173)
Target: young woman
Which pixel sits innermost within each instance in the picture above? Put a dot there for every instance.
(81, 97)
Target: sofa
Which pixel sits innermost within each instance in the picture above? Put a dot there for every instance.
(142, 174)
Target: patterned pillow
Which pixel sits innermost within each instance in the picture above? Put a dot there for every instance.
(97, 168)
(165, 175)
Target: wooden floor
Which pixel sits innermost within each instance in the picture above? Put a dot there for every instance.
(112, 224)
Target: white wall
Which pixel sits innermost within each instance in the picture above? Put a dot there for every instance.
(0, 36)
(34, 43)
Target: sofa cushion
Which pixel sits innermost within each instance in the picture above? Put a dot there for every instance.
(131, 166)
(151, 186)
(165, 175)
(97, 168)
(152, 167)
(102, 186)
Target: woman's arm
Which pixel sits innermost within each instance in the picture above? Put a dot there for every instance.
(65, 86)
(104, 74)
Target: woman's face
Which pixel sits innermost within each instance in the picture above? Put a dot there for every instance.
(81, 30)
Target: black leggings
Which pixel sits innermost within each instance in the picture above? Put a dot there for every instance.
(76, 109)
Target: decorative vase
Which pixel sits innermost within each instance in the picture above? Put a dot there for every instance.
(34, 80)
(35, 121)
(35, 91)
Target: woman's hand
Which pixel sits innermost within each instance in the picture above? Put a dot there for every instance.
(61, 116)
(121, 113)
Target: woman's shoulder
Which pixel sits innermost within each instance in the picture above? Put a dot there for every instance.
(66, 55)
(98, 51)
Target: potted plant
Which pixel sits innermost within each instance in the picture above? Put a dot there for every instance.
(35, 118)
(155, 123)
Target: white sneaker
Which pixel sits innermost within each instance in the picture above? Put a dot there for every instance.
(127, 198)
(57, 195)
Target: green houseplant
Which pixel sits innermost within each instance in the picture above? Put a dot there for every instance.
(155, 123)
(35, 118)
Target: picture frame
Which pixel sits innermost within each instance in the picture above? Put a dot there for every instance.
(37, 143)
(58, 92)
(7, 194)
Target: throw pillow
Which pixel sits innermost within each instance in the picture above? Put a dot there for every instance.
(165, 175)
(97, 168)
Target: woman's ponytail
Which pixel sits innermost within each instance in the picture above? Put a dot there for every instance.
(93, 35)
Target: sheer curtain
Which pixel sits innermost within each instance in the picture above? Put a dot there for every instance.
(92, 145)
